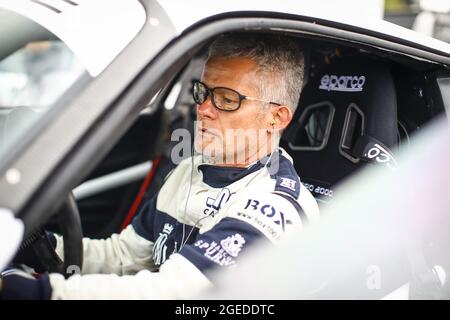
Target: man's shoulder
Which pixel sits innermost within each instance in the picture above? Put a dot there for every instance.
(289, 183)
(278, 201)
(267, 212)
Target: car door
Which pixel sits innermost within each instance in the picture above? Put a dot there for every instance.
(40, 155)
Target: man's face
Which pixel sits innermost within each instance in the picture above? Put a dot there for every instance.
(233, 137)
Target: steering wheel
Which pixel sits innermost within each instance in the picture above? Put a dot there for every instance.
(70, 227)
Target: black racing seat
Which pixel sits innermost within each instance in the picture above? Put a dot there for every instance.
(347, 116)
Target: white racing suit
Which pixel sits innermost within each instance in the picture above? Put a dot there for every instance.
(204, 216)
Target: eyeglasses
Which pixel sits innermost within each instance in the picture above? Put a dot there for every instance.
(225, 99)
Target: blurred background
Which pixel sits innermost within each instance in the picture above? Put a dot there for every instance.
(430, 17)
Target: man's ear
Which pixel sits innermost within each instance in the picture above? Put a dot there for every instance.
(282, 116)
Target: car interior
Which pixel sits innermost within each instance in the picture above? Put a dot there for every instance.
(324, 138)
(354, 97)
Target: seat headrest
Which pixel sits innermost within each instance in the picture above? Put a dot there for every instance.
(366, 83)
(345, 104)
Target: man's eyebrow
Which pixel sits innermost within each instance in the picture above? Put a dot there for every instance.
(208, 84)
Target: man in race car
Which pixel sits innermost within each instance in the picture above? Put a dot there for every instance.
(214, 205)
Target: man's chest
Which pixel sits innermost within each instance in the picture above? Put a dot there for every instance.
(179, 220)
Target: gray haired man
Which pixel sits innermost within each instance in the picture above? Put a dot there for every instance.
(207, 214)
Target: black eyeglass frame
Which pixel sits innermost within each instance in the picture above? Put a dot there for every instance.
(210, 92)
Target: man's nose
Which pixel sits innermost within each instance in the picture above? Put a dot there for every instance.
(207, 109)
